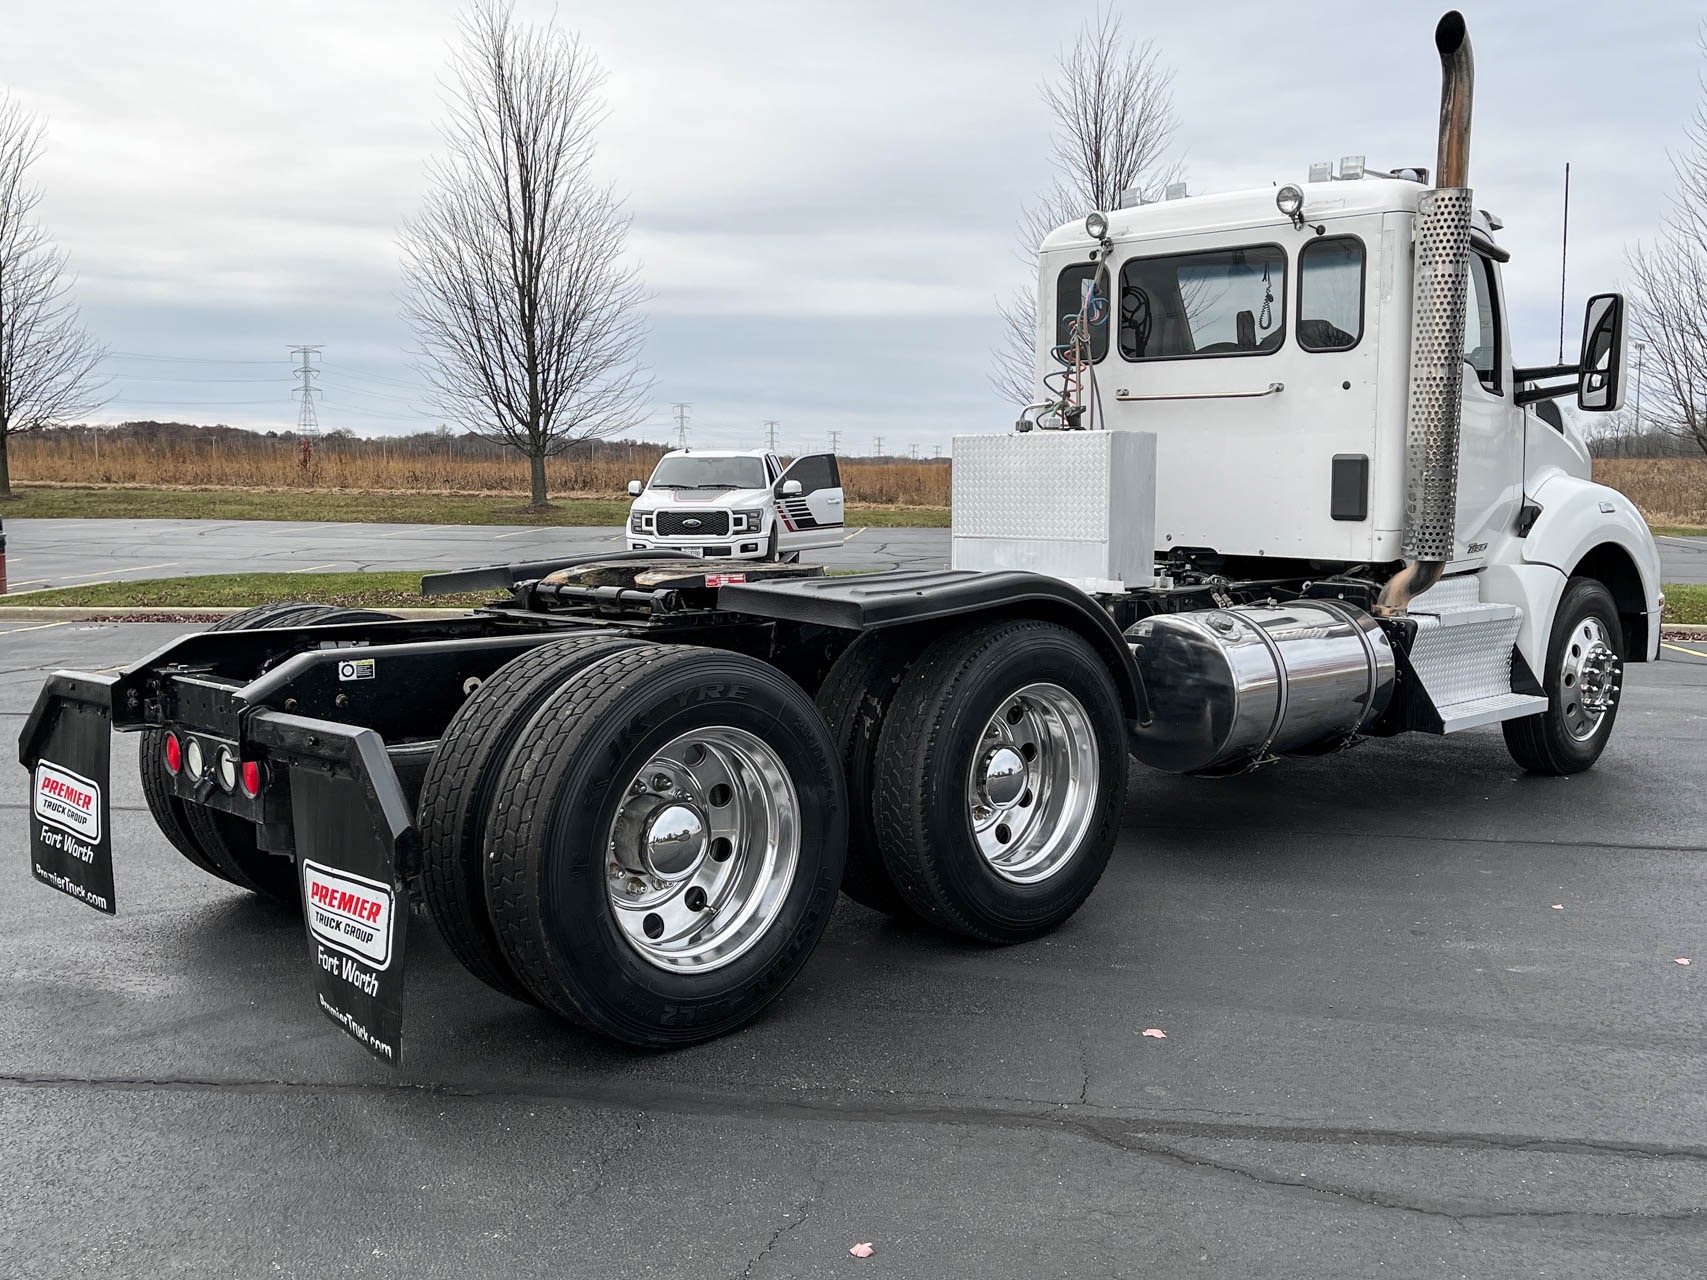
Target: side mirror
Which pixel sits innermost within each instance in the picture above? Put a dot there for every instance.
(1600, 377)
(635, 488)
(789, 489)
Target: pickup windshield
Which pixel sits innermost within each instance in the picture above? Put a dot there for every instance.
(690, 472)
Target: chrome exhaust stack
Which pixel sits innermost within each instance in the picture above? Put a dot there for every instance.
(1439, 297)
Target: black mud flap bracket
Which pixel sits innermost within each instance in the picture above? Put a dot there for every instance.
(67, 747)
(356, 850)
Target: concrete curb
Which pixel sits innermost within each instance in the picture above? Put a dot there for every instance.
(144, 613)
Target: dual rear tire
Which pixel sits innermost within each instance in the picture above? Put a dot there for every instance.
(646, 839)
(987, 775)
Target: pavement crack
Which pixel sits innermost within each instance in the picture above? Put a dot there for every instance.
(797, 1219)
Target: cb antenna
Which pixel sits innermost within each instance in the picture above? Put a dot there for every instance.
(1564, 250)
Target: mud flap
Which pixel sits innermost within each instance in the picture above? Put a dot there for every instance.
(67, 747)
(356, 847)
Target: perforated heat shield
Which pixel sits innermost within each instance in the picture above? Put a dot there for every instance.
(1437, 372)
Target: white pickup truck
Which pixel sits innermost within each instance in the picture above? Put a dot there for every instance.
(743, 505)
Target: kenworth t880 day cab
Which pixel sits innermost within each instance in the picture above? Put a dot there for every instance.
(1283, 490)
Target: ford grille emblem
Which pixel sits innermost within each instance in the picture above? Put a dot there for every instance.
(690, 524)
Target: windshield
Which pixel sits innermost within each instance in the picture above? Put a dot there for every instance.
(688, 471)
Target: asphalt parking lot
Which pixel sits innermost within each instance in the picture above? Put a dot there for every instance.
(1423, 1017)
(65, 553)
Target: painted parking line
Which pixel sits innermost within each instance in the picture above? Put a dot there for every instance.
(499, 537)
(855, 533)
(135, 568)
(1677, 648)
(40, 626)
(398, 533)
(314, 568)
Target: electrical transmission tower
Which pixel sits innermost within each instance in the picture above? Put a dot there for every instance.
(879, 440)
(771, 424)
(936, 451)
(681, 408)
(307, 421)
(914, 451)
(835, 441)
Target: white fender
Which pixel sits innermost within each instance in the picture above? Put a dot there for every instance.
(1577, 516)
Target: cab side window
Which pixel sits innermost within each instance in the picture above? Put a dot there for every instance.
(1481, 326)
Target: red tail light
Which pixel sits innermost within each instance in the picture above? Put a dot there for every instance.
(174, 753)
(252, 779)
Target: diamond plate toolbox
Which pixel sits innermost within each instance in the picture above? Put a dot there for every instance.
(1076, 505)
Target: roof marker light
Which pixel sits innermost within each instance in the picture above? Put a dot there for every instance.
(1322, 172)
(1351, 168)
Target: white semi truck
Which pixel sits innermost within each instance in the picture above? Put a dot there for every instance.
(1283, 490)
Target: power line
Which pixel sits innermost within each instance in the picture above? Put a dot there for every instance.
(307, 421)
(139, 355)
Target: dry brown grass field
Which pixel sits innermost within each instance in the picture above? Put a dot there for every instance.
(380, 466)
(1668, 491)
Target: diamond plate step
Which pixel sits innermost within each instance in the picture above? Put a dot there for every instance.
(1462, 656)
(1492, 710)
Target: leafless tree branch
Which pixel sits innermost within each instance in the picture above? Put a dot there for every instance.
(528, 318)
(1112, 101)
(1669, 305)
(47, 362)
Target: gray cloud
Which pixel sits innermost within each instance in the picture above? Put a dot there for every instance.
(824, 197)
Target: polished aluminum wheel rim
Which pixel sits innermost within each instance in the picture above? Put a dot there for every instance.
(1032, 789)
(703, 849)
(1588, 679)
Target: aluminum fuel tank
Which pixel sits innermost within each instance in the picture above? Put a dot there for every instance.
(1230, 688)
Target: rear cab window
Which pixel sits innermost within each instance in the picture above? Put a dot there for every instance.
(1330, 293)
(1075, 296)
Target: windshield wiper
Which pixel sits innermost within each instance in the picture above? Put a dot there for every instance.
(671, 486)
(717, 486)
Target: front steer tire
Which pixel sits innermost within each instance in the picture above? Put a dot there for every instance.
(977, 844)
(1562, 740)
(642, 734)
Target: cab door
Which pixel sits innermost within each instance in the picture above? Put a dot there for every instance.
(1490, 435)
(813, 517)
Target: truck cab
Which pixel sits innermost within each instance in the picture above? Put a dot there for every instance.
(737, 504)
(1265, 338)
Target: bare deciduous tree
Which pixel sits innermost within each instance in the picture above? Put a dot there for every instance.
(527, 316)
(47, 361)
(1114, 117)
(1669, 306)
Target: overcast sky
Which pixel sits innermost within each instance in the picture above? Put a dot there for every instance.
(824, 195)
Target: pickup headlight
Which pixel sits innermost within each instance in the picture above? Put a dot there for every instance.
(750, 521)
(634, 522)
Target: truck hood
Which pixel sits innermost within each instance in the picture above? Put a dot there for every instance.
(663, 499)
